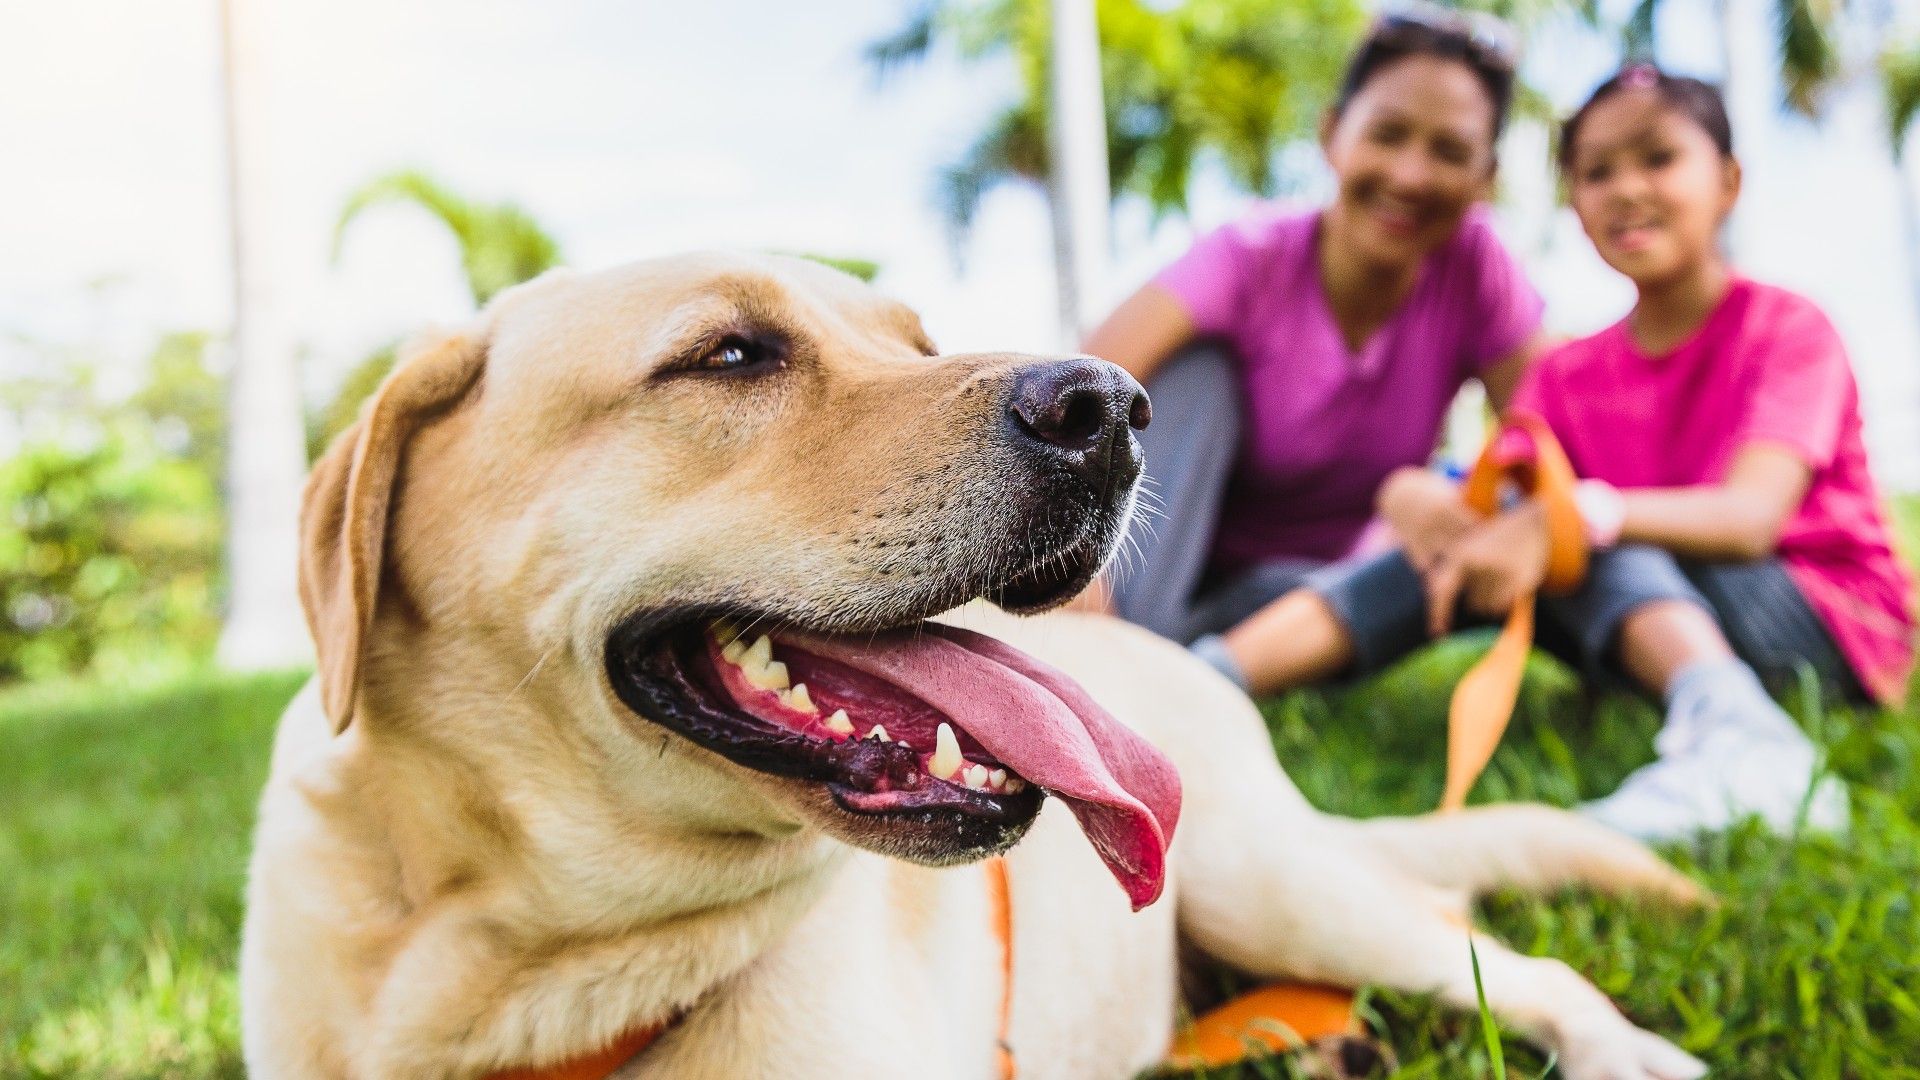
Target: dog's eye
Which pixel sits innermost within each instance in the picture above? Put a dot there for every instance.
(734, 353)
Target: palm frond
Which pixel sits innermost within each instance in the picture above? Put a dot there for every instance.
(1900, 87)
(1014, 147)
(908, 45)
(1637, 33)
(501, 245)
(1809, 60)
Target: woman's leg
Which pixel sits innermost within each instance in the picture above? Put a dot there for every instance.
(1190, 448)
(1350, 618)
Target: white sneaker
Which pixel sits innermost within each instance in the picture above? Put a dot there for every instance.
(1719, 765)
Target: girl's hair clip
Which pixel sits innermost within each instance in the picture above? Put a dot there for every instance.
(1640, 76)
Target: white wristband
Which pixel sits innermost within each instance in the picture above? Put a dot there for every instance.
(1603, 510)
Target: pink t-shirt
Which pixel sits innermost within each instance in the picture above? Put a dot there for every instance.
(1326, 424)
(1766, 366)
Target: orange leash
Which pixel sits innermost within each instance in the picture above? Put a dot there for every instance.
(1273, 1018)
(1526, 454)
(1000, 900)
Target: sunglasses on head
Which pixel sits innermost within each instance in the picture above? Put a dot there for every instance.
(1481, 38)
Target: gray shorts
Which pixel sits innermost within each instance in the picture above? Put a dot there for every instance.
(1168, 586)
(1765, 617)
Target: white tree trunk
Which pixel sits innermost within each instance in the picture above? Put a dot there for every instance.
(1751, 87)
(1080, 192)
(266, 443)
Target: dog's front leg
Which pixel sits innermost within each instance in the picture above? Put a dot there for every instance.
(1272, 886)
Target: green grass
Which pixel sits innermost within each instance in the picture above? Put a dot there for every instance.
(124, 822)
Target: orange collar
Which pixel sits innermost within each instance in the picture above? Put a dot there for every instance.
(594, 1066)
(603, 1063)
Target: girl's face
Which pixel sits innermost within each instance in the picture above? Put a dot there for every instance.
(1413, 150)
(1650, 186)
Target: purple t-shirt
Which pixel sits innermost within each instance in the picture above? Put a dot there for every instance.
(1326, 424)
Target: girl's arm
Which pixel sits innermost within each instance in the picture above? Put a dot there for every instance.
(1142, 332)
(1738, 519)
(1502, 377)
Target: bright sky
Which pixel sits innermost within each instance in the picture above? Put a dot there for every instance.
(634, 129)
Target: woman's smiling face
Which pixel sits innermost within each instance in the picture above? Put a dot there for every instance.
(1650, 186)
(1413, 151)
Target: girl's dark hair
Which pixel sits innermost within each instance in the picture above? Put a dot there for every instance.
(1692, 98)
(1484, 44)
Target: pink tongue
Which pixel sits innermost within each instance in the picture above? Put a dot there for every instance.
(1044, 727)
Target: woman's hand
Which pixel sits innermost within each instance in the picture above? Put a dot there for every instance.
(1426, 515)
(1490, 568)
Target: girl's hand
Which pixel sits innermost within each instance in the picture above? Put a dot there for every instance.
(1490, 569)
(1426, 515)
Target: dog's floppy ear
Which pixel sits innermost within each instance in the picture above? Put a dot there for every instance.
(343, 517)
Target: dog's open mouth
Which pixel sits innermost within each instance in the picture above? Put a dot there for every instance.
(930, 725)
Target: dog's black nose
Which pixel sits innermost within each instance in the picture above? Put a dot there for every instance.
(1079, 408)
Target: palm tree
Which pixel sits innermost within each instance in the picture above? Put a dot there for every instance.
(1234, 81)
(1227, 79)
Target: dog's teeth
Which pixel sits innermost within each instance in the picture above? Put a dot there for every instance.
(839, 724)
(997, 778)
(799, 700)
(725, 632)
(878, 734)
(733, 650)
(772, 676)
(759, 654)
(976, 776)
(946, 754)
(1015, 785)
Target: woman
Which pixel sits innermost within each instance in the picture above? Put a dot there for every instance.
(1331, 343)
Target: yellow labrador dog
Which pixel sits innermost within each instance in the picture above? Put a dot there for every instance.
(629, 715)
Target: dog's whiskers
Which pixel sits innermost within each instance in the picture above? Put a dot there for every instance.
(532, 671)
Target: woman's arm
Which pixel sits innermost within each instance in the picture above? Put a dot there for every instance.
(1502, 377)
(1142, 332)
(1737, 519)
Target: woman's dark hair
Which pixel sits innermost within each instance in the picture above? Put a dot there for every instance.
(1484, 44)
(1692, 98)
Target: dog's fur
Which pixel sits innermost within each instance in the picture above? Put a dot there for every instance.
(471, 855)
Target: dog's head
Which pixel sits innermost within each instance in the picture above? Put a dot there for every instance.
(718, 497)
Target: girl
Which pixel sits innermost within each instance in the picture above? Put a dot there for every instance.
(1335, 340)
(1737, 532)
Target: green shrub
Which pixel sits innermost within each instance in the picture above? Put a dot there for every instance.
(111, 548)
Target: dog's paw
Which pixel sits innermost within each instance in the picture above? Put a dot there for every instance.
(1620, 1051)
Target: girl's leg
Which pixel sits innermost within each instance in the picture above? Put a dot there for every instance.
(1190, 449)
(1772, 627)
(1727, 750)
(1660, 638)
